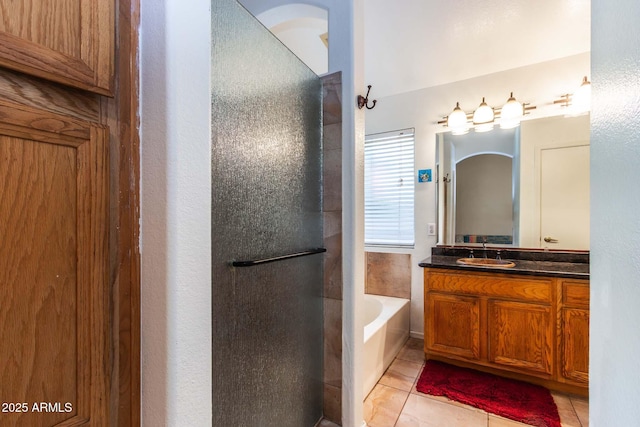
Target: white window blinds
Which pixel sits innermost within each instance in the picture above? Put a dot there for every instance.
(389, 188)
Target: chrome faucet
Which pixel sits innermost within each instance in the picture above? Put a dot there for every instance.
(484, 246)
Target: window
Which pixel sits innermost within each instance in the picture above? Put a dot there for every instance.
(389, 188)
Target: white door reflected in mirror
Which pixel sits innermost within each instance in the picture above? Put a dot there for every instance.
(564, 197)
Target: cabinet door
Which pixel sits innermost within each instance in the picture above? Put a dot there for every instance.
(575, 345)
(54, 301)
(521, 336)
(66, 41)
(453, 325)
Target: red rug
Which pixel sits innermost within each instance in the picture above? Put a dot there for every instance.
(527, 403)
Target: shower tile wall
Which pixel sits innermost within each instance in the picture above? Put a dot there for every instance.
(332, 215)
(388, 274)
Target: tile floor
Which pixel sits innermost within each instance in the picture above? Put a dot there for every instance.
(395, 402)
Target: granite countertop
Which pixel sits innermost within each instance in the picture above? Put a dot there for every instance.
(537, 263)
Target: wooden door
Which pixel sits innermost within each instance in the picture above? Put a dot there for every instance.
(453, 325)
(54, 299)
(521, 336)
(66, 41)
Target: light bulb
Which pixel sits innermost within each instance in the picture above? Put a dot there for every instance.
(483, 117)
(457, 121)
(511, 113)
(581, 99)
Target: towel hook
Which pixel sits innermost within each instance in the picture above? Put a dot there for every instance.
(363, 101)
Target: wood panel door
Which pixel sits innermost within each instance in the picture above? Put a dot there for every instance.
(452, 325)
(54, 299)
(521, 336)
(66, 41)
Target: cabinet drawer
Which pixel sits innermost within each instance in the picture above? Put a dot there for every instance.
(491, 285)
(575, 294)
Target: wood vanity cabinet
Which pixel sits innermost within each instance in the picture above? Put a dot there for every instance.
(534, 328)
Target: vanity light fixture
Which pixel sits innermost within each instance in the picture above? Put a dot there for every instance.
(580, 101)
(483, 117)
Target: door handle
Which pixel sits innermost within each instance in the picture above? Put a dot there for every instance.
(550, 240)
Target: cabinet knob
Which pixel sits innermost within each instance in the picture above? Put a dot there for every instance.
(550, 240)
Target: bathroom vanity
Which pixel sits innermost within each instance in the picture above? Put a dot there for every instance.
(529, 321)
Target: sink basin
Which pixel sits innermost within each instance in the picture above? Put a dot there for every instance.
(487, 262)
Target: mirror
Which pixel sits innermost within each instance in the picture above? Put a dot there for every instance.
(526, 187)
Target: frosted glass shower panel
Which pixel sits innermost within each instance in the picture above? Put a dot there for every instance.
(266, 202)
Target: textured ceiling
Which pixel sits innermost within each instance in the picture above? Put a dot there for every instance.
(413, 44)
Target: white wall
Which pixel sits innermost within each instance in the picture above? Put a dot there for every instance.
(538, 84)
(615, 227)
(175, 213)
(299, 27)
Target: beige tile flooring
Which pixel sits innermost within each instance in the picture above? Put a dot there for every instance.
(395, 402)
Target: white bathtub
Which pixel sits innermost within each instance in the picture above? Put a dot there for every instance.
(386, 331)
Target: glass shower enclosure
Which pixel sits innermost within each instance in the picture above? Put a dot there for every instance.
(266, 227)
